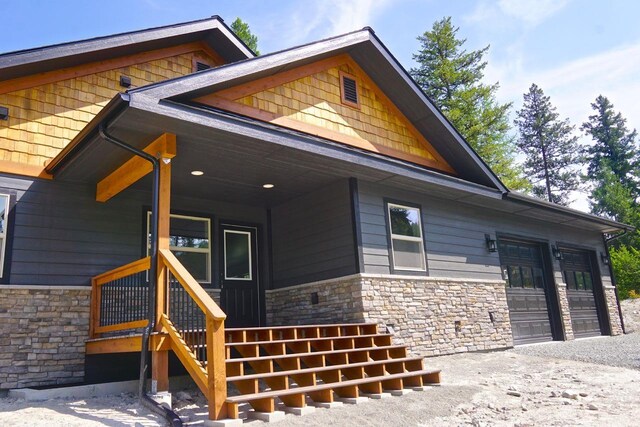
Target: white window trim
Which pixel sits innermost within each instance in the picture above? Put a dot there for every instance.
(244, 279)
(187, 249)
(3, 233)
(406, 238)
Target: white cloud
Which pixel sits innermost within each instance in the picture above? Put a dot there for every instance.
(308, 21)
(531, 12)
(515, 12)
(574, 85)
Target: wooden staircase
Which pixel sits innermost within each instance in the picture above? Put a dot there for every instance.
(268, 366)
(317, 363)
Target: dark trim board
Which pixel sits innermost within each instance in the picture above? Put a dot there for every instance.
(357, 228)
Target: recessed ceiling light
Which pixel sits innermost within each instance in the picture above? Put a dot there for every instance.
(197, 173)
(268, 185)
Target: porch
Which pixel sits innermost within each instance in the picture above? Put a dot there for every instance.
(212, 259)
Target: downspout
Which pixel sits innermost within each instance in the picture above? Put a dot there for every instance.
(159, 409)
(613, 277)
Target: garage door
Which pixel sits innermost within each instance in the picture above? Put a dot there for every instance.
(578, 275)
(527, 288)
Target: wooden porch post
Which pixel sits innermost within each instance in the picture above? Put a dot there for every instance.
(160, 359)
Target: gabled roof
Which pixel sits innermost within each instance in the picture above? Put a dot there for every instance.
(212, 31)
(171, 102)
(372, 56)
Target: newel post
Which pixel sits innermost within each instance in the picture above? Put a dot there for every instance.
(160, 359)
(216, 369)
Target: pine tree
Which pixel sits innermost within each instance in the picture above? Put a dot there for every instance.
(614, 147)
(451, 77)
(614, 171)
(552, 153)
(243, 32)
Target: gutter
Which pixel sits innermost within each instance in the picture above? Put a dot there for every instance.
(146, 401)
(606, 241)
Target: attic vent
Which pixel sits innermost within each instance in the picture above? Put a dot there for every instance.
(201, 66)
(349, 90)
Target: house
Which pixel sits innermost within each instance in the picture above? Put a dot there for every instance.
(313, 186)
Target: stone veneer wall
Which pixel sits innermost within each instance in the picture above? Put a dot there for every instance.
(565, 311)
(431, 315)
(612, 310)
(42, 335)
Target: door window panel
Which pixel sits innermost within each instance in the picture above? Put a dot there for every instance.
(237, 255)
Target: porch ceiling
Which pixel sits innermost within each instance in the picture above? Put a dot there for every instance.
(235, 167)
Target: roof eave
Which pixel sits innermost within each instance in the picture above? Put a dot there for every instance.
(530, 201)
(117, 104)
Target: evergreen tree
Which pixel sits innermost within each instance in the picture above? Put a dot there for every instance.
(451, 77)
(243, 32)
(614, 149)
(552, 154)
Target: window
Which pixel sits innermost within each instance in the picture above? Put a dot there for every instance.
(190, 242)
(407, 246)
(4, 226)
(349, 90)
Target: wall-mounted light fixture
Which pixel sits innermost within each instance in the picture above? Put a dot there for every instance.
(557, 253)
(491, 243)
(604, 258)
(4, 113)
(125, 81)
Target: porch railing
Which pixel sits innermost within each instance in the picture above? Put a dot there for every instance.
(120, 298)
(195, 324)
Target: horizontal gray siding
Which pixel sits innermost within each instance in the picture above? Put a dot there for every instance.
(454, 234)
(62, 236)
(313, 237)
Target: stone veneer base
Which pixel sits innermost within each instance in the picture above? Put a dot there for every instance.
(42, 335)
(431, 315)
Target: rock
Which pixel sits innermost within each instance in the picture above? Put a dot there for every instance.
(566, 402)
(555, 394)
(183, 395)
(514, 393)
(583, 394)
(592, 407)
(491, 406)
(570, 394)
(524, 408)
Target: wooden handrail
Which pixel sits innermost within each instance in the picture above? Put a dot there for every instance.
(199, 295)
(123, 271)
(215, 386)
(117, 273)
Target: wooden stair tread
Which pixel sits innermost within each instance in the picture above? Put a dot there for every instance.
(275, 328)
(322, 368)
(293, 340)
(325, 386)
(314, 353)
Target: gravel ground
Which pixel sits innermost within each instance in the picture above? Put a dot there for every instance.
(622, 351)
(547, 385)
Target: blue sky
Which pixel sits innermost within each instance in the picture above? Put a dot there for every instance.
(573, 49)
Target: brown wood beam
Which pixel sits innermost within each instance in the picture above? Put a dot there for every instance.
(135, 168)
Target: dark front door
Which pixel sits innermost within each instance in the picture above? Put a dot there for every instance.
(578, 274)
(239, 275)
(527, 287)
